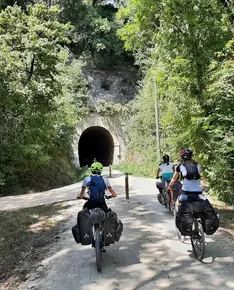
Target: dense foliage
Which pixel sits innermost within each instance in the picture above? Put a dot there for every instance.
(36, 100)
(44, 46)
(186, 48)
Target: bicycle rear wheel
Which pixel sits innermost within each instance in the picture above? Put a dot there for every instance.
(98, 249)
(198, 242)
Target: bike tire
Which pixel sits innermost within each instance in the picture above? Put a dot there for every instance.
(98, 249)
(170, 208)
(198, 243)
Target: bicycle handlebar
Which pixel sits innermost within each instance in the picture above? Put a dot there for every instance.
(86, 198)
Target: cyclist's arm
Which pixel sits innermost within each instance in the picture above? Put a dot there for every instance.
(82, 192)
(173, 180)
(157, 172)
(108, 186)
(83, 187)
(111, 190)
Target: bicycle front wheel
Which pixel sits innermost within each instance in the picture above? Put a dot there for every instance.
(198, 242)
(98, 249)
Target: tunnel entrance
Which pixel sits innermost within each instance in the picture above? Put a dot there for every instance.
(96, 142)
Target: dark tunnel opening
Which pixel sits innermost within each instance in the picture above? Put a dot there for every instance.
(96, 142)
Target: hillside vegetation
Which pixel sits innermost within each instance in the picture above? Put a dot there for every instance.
(186, 48)
(44, 48)
(185, 53)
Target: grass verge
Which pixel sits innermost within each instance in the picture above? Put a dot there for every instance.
(226, 213)
(141, 170)
(25, 235)
(42, 179)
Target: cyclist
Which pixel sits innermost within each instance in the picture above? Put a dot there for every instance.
(190, 171)
(97, 185)
(95, 160)
(166, 167)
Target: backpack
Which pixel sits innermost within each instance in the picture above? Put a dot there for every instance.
(97, 187)
(192, 171)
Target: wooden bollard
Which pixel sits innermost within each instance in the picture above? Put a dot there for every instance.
(126, 186)
(109, 170)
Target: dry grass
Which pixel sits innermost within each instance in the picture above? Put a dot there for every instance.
(226, 213)
(25, 233)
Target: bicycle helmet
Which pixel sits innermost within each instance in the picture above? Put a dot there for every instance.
(186, 154)
(166, 158)
(96, 168)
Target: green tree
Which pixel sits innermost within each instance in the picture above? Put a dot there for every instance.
(94, 34)
(177, 43)
(31, 118)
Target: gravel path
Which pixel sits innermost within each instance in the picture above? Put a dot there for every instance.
(65, 193)
(148, 256)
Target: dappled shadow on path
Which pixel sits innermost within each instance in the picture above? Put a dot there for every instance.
(148, 256)
(25, 235)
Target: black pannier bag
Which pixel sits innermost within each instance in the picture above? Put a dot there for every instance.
(161, 199)
(160, 185)
(110, 228)
(210, 221)
(85, 226)
(184, 216)
(76, 233)
(119, 231)
(184, 222)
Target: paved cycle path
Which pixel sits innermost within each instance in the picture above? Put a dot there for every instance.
(65, 193)
(148, 256)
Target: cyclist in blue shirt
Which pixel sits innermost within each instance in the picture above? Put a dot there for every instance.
(96, 179)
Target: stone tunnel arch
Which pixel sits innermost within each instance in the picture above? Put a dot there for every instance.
(96, 142)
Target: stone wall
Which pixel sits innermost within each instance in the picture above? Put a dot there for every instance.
(114, 124)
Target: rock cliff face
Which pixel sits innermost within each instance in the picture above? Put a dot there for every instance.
(101, 135)
(117, 85)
